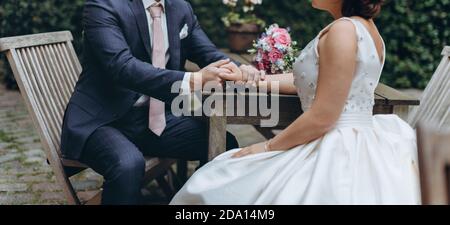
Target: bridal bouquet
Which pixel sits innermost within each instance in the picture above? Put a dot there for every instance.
(275, 51)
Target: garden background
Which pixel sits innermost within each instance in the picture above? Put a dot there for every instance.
(415, 31)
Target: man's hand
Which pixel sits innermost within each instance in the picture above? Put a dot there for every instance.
(212, 73)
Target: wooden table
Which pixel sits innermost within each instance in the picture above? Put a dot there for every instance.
(387, 101)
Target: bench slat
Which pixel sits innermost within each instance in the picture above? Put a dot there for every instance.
(446, 51)
(34, 40)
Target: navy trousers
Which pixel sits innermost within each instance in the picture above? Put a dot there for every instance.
(116, 151)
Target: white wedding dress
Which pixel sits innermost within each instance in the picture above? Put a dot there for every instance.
(365, 159)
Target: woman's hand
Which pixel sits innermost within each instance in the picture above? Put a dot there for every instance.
(253, 149)
(244, 74)
(251, 75)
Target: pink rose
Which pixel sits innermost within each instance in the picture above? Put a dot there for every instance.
(284, 39)
(282, 36)
(260, 66)
(274, 55)
(269, 40)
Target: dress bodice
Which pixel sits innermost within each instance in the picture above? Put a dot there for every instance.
(367, 74)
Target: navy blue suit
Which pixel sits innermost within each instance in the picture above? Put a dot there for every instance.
(101, 127)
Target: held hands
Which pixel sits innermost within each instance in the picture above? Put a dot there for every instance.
(244, 74)
(225, 70)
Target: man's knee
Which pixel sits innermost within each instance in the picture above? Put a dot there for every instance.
(129, 167)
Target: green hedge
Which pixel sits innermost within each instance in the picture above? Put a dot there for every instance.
(415, 31)
(20, 17)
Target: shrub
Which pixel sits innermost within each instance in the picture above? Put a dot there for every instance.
(20, 17)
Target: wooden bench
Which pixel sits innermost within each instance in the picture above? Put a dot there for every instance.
(46, 69)
(434, 163)
(387, 101)
(436, 97)
(432, 119)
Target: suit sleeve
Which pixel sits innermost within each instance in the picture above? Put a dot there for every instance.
(202, 51)
(104, 35)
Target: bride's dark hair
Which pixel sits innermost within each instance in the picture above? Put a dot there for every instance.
(366, 9)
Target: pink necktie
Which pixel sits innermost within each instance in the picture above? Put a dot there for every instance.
(157, 117)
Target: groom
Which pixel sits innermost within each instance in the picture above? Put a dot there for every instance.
(134, 51)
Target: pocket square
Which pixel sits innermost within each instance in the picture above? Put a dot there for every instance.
(184, 32)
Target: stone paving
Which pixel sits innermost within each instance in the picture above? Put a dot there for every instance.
(25, 176)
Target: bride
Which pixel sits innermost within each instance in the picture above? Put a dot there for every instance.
(336, 152)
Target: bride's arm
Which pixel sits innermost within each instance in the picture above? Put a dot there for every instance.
(336, 72)
(285, 83)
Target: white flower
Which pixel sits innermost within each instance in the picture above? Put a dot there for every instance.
(248, 8)
(253, 2)
(266, 47)
(280, 64)
(258, 57)
(280, 47)
(231, 3)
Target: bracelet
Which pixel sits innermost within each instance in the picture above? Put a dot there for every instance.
(267, 146)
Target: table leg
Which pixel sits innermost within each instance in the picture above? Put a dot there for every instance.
(182, 171)
(402, 111)
(217, 136)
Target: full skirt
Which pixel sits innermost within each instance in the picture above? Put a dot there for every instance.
(349, 165)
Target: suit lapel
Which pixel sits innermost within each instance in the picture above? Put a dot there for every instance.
(141, 18)
(173, 33)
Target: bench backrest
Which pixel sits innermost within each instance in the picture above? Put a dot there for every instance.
(46, 69)
(435, 102)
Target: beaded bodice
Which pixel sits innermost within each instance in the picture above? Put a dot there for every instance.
(367, 74)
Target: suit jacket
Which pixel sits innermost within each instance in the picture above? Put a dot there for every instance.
(117, 67)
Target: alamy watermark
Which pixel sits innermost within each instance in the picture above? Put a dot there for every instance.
(230, 100)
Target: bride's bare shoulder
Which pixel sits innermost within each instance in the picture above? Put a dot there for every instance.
(341, 35)
(342, 27)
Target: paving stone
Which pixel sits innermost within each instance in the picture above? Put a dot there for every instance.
(36, 178)
(35, 160)
(51, 196)
(7, 178)
(40, 187)
(11, 187)
(34, 152)
(16, 199)
(9, 157)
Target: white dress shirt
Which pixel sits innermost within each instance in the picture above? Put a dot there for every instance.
(185, 87)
